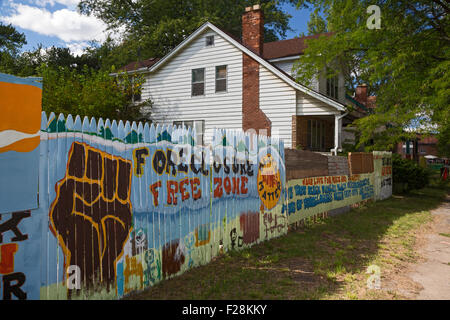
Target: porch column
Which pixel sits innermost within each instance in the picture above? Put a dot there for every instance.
(337, 132)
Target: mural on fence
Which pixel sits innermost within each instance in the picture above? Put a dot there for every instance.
(382, 164)
(19, 141)
(310, 196)
(19, 164)
(123, 206)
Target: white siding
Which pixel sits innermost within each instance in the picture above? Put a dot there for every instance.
(277, 101)
(307, 105)
(169, 87)
(287, 65)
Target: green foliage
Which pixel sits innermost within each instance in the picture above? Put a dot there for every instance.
(409, 172)
(406, 64)
(154, 27)
(316, 24)
(91, 93)
(10, 42)
(10, 39)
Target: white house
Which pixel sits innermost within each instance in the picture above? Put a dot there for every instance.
(212, 80)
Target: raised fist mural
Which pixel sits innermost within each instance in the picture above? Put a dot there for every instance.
(92, 214)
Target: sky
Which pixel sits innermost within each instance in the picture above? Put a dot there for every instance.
(57, 23)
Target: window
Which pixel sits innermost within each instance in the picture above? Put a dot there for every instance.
(333, 87)
(408, 147)
(187, 124)
(209, 41)
(221, 78)
(316, 135)
(198, 82)
(199, 126)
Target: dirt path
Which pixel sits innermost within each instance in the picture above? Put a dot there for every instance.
(433, 274)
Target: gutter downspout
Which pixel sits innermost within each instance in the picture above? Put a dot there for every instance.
(336, 132)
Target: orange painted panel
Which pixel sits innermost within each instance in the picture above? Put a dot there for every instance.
(20, 107)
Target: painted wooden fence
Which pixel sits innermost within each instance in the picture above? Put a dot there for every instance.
(310, 196)
(382, 163)
(123, 206)
(97, 209)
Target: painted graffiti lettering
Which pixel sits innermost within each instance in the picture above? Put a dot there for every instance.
(12, 284)
(234, 237)
(133, 269)
(154, 190)
(238, 166)
(12, 225)
(177, 187)
(386, 182)
(7, 252)
(236, 185)
(139, 156)
(171, 162)
(273, 223)
(386, 170)
(159, 161)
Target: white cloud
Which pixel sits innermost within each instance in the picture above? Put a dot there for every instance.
(67, 3)
(77, 48)
(67, 25)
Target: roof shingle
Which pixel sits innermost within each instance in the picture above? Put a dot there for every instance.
(290, 47)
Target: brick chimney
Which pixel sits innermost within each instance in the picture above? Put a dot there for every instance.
(253, 29)
(361, 94)
(253, 118)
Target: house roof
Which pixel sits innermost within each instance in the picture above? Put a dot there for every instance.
(271, 50)
(136, 65)
(428, 140)
(290, 47)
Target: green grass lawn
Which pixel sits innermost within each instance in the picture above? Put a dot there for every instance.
(325, 260)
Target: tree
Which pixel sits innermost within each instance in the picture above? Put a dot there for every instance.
(405, 63)
(316, 24)
(91, 93)
(10, 42)
(154, 27)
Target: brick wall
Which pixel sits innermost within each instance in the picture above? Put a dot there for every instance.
(253, 29)
(252, 116)
(338, 166)
(252, 37)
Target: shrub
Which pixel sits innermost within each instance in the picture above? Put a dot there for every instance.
(409, 172)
